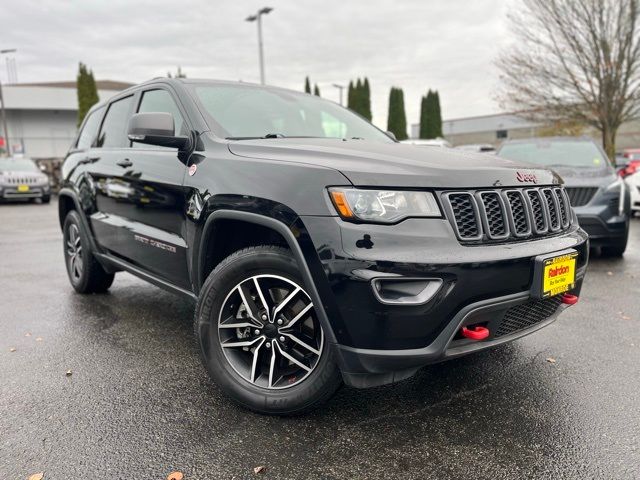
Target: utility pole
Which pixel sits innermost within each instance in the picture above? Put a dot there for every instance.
(3, 112)
(258, 18)
(341, 88)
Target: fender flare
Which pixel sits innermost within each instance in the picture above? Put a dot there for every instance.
(84, 223)
(293, 244)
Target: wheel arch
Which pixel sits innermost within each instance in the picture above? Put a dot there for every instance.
(67, 201)
(282, 231)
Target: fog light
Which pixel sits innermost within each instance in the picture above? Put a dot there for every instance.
(405, 291)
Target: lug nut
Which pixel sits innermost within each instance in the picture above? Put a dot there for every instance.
(281, 338)
(264, 317)
(256, 331)
(280, 321)
(268, 345)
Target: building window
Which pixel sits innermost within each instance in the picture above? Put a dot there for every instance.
(501, 134)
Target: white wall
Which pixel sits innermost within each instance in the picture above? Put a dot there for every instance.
(42, 133)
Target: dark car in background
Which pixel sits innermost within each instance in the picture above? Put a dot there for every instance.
(20, 178)
(599, 197)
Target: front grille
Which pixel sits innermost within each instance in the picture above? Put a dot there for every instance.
(465, 214)
(580, 196)
(527, 315)
(19, 180)
(509, 214)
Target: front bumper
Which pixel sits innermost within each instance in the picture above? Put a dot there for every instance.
(380, 343)
(12, 192)
(602, 223)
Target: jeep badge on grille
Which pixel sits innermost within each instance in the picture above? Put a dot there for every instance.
(526, 177)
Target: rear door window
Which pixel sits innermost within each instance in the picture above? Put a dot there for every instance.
(90, 129)
(113, 133)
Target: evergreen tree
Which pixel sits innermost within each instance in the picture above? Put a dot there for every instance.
(366, 100)
(351, 96)
(316, 90)
(437, 115)
(307, 85)
(87, 91)
(397, 119)
(428, 112)
(178, 74)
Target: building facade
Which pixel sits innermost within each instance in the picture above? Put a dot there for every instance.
(494, 129)
(42, 117)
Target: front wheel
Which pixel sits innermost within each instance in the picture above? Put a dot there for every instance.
(260, 337)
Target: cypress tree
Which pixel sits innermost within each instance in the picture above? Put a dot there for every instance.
(307, 85)
(86, 90)
(437, 115)
(351, 96)
(366, 100)
(428, 117)
(316, 90)
(397, 119)
(358, 104)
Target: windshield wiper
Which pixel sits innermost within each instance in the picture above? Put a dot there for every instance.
(272, 135)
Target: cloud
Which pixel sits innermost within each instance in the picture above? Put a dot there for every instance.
(448, 45)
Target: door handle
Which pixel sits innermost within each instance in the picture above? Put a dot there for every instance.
(124, 163)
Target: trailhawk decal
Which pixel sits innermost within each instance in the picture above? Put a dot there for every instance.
(154, 243)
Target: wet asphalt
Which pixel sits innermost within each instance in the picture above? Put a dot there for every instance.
(561, 403)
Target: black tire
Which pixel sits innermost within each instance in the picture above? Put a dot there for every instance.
(314, 388)
(617, 249)
(46, 198)
(85, 273)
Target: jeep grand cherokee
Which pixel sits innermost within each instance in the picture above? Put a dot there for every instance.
(318, 249)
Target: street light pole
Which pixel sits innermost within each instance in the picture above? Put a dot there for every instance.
(341, 88)
(258, 18)
(3, 112)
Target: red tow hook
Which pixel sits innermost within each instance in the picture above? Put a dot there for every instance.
(475, 333)
(569, 299)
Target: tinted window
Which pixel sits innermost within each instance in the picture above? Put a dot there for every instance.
(90, 130)
(570, 153)
(248, 111)
(113, 132)
(162, 101)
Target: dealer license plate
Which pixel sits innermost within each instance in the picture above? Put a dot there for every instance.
(558, 274)
(23, 188)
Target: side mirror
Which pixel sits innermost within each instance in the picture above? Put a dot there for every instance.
(392, 136)
(155, 128)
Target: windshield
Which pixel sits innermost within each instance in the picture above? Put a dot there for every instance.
(556, 153)
(243, 111)
(17, 165)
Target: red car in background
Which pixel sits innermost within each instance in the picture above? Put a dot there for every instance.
(628, 165)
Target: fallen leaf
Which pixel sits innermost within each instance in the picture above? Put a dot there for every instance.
(69, 372)
(626, 317)
(259, 469)
(610, 273)
(175, 476)
(12, 349)
(551, 360)
(39, 339)
(37, 476)
(28, 334)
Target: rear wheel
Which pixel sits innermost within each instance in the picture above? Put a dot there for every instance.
(260, 337)
(85, 273)
(46, 198)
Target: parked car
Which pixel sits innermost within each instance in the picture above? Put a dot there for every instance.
(433, 142)
(599, 197)
(479, 148)
(20, 178)
(319, 250)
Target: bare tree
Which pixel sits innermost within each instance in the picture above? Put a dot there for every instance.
(575, 61)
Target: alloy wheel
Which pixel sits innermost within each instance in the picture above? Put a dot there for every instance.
(74, 252)
(269, 332)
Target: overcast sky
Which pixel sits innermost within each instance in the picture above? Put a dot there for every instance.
(448, 45)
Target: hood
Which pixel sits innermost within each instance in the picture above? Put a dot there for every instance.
(367, 163)
(586, 177)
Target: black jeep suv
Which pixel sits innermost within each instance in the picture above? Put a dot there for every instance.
(319, 250)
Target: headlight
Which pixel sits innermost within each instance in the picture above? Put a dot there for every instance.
(383, 206)
(618, 187)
